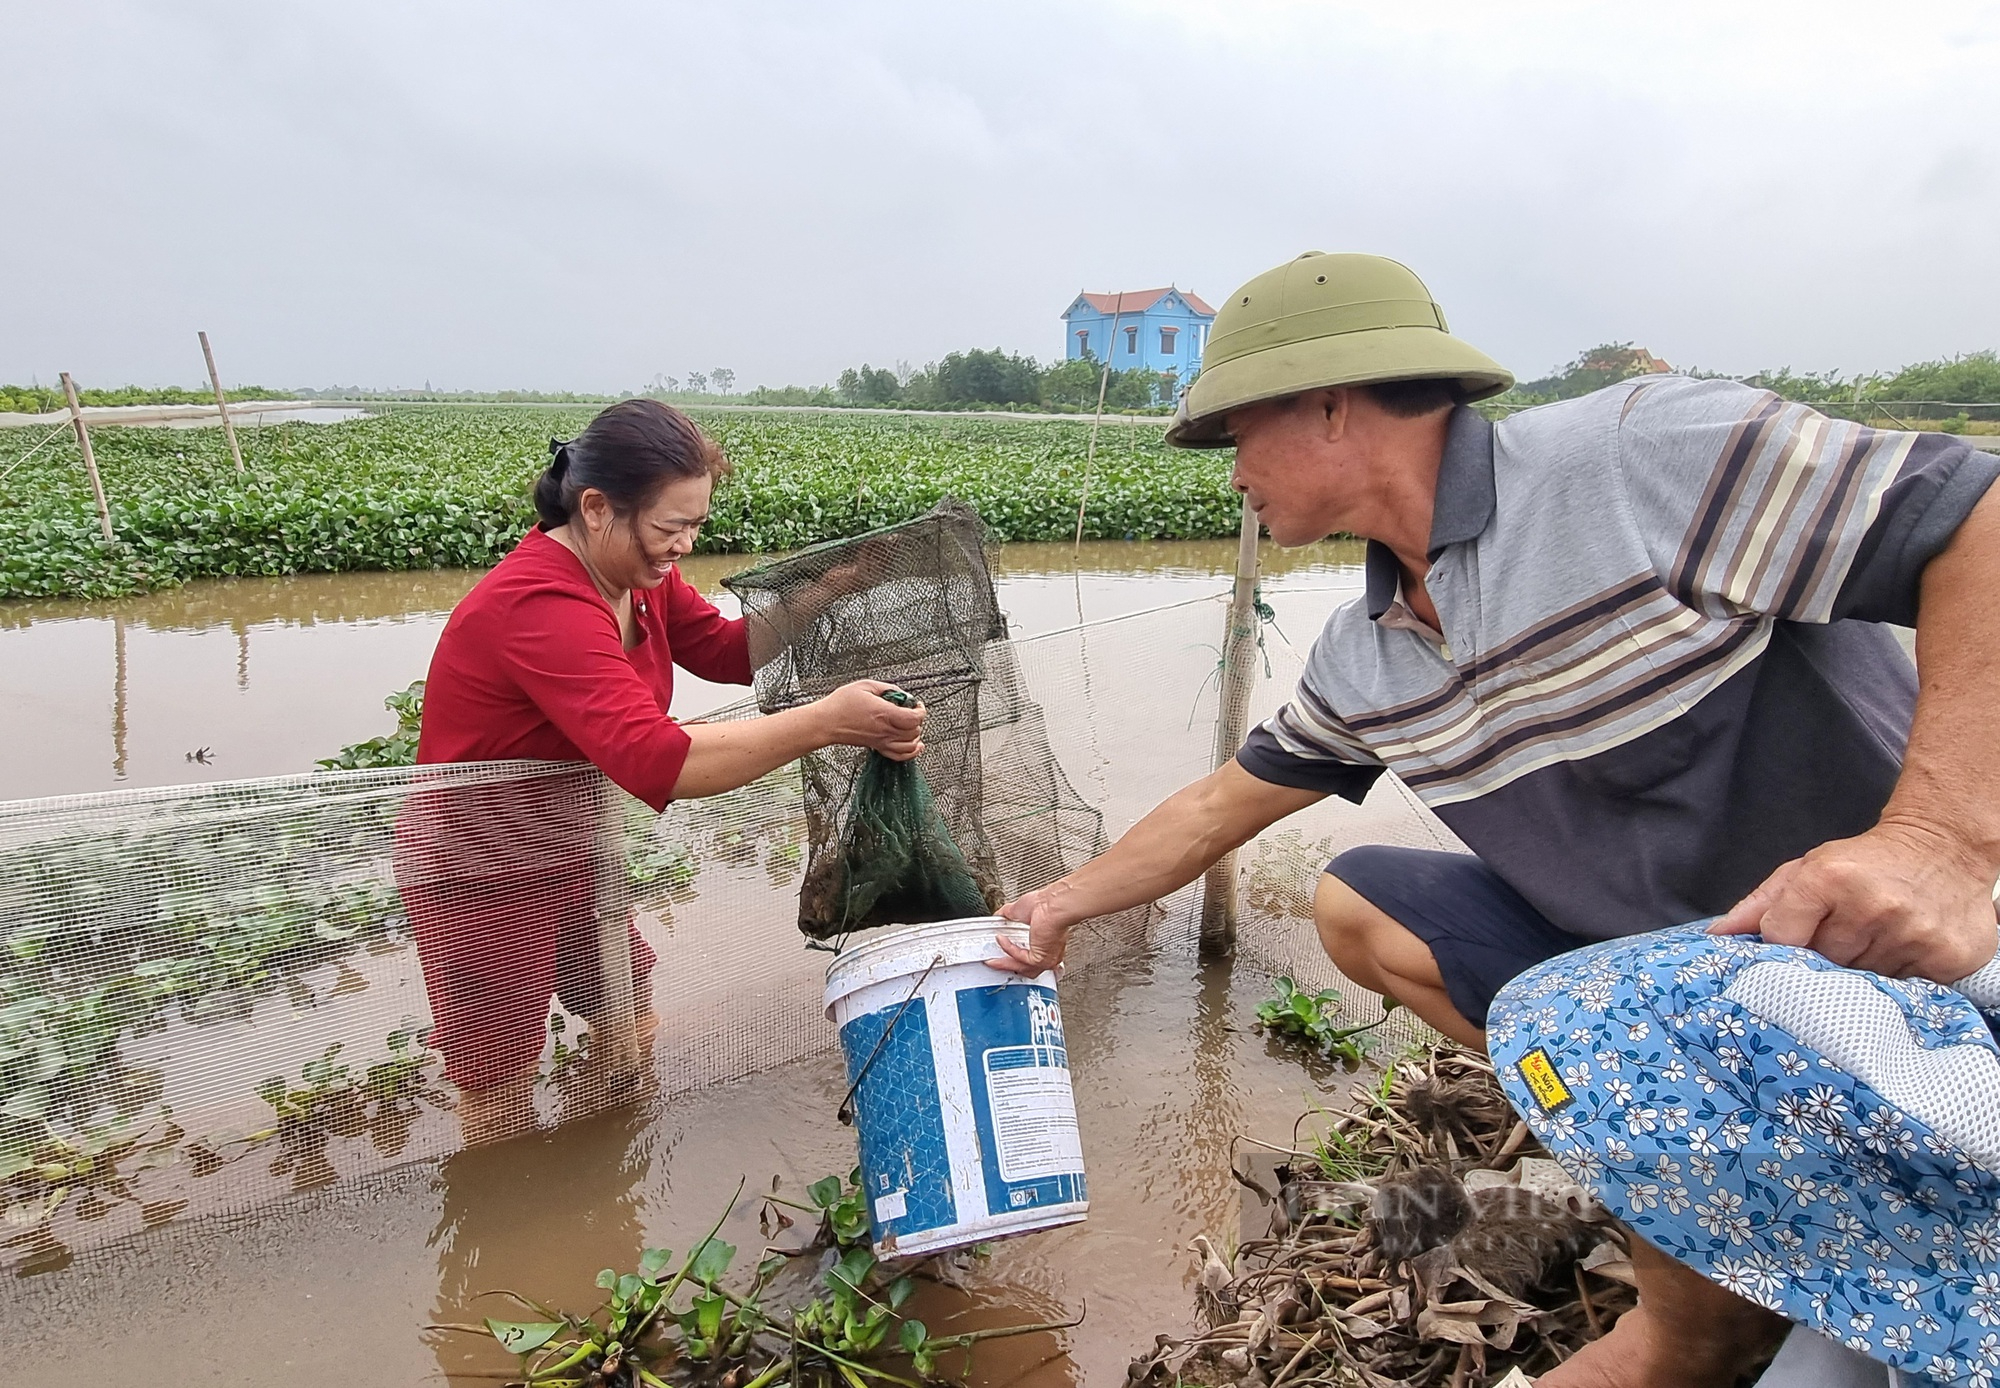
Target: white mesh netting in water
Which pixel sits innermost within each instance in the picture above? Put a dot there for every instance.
(211, 995)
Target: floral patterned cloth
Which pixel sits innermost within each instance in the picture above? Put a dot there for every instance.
(1756, 1159)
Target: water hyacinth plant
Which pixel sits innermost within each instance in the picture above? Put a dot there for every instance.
(841, 1207)
(396, 749)
(674, 1323)
(447, 487)
(1311, 1018)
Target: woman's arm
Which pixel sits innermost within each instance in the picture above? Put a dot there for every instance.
(727, 651)
(724, 756)
(562, 650)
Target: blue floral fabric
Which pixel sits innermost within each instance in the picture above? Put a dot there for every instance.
(1745, 1154)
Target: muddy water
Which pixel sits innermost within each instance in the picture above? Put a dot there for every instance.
(260, 677)
(336, 1287)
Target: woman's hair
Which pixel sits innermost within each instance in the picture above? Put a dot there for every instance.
(628, 452)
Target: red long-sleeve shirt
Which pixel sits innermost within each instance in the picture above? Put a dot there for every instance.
(530, 665)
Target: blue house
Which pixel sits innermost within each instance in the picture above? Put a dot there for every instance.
(1151, 330)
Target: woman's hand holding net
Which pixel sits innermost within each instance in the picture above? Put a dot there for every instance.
(861, 715)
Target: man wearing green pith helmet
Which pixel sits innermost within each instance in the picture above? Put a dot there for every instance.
(1634, 649)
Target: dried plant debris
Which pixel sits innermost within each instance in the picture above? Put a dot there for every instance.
(1420, 1237)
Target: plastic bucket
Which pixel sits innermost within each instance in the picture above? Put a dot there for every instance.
(962, 1096)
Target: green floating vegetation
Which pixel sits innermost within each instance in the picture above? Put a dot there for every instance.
(841, 1208)
(331, 1101)
(674, 1322)
(398, 748)
(43, 399)
(1313, 1019)
(447, 487)
(185, 915)
(113, 929)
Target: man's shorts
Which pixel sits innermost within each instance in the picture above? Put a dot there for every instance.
(1480, 930)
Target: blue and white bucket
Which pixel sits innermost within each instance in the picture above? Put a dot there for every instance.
(962, 1095)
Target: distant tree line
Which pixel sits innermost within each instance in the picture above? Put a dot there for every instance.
(1952, 392)
(696, 385)
(982, 379)
(460, 397)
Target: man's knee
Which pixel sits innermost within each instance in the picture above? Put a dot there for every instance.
(1383, 955)
(1350, 930)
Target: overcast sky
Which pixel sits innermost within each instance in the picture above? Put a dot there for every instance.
(578, 195)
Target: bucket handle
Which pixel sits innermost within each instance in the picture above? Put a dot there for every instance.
(846, 1114)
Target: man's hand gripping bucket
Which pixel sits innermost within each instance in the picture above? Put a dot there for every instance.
(960, 1088)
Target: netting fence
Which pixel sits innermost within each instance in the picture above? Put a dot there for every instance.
(213, 995)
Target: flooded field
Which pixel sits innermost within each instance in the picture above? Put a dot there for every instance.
(330, 1273)
(336, 1286)
(269, 675)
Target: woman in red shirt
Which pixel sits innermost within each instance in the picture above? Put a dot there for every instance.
(565, 652)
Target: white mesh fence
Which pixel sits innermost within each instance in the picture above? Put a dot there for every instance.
(213, 994)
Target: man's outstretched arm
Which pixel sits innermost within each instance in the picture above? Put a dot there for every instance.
(1181, 839)
(1912, 897)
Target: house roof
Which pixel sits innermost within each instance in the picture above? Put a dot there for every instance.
(1139, 300)
(1627, 359)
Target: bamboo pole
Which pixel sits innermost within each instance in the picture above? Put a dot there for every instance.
(1239, 670)
(221, 403)
(89, 458)
(1090, 457)
(1103, 380)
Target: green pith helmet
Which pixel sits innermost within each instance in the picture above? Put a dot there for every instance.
(1324, 320)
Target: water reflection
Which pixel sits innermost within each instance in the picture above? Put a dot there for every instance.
(541, 1215)
(118, 698)
(267, 675)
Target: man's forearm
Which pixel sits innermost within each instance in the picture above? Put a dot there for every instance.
(1181, 839)
(1950, 785)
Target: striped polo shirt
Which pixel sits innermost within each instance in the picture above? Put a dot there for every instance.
(1664, 668)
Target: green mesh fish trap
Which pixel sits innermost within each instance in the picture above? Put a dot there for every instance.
(913, 605)
(895, 860)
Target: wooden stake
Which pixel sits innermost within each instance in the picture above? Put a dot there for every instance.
(221, 403)
(89, 458)
(1103, 380)
(1239, 670)
(1090, 457)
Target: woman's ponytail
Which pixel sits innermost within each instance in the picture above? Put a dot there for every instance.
(551, 505)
